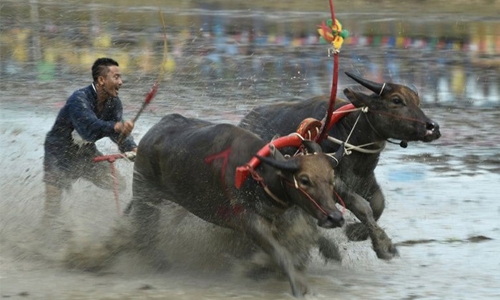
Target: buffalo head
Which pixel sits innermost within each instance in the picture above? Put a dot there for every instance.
(394, 111)
(308, 181)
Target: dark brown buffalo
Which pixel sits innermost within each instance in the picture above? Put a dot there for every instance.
(193, 163)
(391, 112)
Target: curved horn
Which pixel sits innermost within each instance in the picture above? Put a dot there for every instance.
(287, 165)
(337, 157)
(312, 147)
(375, 87)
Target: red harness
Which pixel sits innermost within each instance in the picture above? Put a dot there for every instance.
(308, 129)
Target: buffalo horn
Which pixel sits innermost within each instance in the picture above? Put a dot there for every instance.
(312, 147)
(337, 157)
(375, 87)
(287, 165)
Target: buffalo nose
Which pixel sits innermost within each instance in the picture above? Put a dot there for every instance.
(433, 126)
(336, 218)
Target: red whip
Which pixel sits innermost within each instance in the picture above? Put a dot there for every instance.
(147, 100)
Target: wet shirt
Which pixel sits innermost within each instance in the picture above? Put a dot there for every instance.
(80, 114)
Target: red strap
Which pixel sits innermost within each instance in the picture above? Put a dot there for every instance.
(286, 141)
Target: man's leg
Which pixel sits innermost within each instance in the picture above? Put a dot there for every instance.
(55, 179)
(53, 199)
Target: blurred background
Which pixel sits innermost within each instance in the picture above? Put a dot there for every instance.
(223, 58)
(248, 51)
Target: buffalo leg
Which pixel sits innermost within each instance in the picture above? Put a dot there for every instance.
(377, 202)
(376, 199)
(146, 218)
(328, 249)
(382, 244)
(259, 230)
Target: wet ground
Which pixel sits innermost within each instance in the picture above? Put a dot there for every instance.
(442, 211)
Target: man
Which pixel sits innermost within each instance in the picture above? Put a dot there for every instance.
(90, 114)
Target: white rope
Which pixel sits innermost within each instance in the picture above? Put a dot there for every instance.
(347, 111)
(348, 148)
(347, 151)
(359, 148)
(297, 134)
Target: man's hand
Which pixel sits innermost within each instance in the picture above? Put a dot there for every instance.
(124, 128)
(130, 155)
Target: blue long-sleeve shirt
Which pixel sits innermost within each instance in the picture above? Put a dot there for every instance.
(80, 114)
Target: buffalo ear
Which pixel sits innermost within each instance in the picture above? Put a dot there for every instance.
(275, 153)
(336, 158)
(356, 98)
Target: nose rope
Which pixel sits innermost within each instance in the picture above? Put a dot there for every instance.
(260, 180)
(295, 185)
(371, 126)
(340, 200)
(398, 117)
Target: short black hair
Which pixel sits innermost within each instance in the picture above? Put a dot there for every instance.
(100, 67)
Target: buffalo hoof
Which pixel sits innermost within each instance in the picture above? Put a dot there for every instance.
(387, 254)
(383, 246)
(328, 249)
(299, 286)
(357, 232)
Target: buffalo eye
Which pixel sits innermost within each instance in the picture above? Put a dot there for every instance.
(304, 180)
(397, 100)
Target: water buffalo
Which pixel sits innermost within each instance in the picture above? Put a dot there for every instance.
(193, 163)
(391, 112)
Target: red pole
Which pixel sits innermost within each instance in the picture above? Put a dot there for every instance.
(333, 93)
(111, 159)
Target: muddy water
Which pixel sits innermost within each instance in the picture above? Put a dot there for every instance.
(442, 208)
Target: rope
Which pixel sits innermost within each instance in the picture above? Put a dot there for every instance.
(341, 201)
(349, 147)
(354, 126)
(308, 197)
(360, 148)
(260, 180)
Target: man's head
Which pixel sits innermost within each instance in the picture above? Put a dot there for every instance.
(107, 77)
